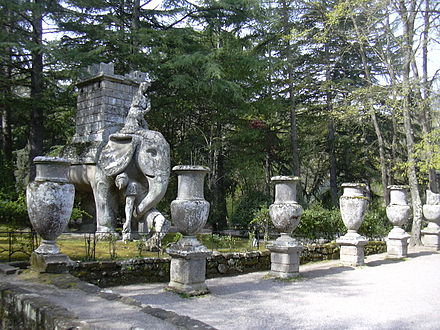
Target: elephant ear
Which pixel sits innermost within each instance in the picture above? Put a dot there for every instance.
(117, 153)
(153, 156)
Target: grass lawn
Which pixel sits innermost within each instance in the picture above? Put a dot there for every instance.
(75, 246)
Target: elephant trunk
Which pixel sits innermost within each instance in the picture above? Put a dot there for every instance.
(157, 187)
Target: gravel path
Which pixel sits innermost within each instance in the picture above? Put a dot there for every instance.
(384, 294)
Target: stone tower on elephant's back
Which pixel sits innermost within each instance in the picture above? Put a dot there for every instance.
(103, 102)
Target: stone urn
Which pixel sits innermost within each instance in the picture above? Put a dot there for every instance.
(189, 212)
(398, 213)
(353, 204)
(431, 212)
(285, 212)
(49, 202)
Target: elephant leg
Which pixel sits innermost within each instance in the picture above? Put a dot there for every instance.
(106, 201)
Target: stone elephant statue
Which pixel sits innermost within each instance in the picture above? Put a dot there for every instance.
(143, 156)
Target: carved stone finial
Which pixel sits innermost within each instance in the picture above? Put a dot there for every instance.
(106, 68)
(139, 107)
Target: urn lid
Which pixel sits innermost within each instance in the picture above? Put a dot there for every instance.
(398, 187)
(51, 160)
(191, 168)
(52, 169)
(286, 178)
(353, 185)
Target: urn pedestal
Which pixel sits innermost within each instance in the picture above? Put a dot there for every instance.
(398, 213)
(353, 204)
(285, 214)
(189, 212)
(431, 212)
(50, 202)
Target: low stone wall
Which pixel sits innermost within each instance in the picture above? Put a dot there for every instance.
(227, 264)
(149, 270)
(120, 272)
(20, 309)
(330, 251)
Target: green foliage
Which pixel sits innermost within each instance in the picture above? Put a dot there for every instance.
(319, 222)
(14, 211)
(262, 221)
(21, 244)
(375, 224)
(171, 238)
(112, 246)
(216, 241)
(78, 213)
(428, 152)
(140, 246)
(248, 205)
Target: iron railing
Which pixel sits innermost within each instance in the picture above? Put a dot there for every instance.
(15, 242)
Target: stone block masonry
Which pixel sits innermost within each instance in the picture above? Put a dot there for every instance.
(103, 102)
(21, 309)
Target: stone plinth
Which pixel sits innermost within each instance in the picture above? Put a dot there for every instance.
(431, 236)
(284, 258)
(50, 263)
(397, 243)
(352, 249)
(188, 267)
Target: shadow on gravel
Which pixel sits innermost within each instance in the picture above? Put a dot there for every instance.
(397, 260)
(376, 263)
(309, 274)
(421, 254)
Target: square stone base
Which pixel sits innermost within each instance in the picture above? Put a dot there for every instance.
(284, 260)
(352, 255)
(352, 249)
(188, 273)
(50, 263)
(431, 239)
(397, 248)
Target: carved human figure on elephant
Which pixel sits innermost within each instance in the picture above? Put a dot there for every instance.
(152, 226)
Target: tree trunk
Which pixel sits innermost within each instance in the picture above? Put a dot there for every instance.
(36, 128)
(134, 30)
(219, 209)
(408, 17)
(331, 138)
(5, 110)
(377, 130)
(293, 125)
(333, 167)
(426, 94)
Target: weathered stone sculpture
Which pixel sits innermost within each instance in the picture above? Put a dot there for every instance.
(285, 214)
(189, 212)
(50, 201)
(353, 204)
(129, 192)
(112, 139)
(143, 155)
(431, 212)
(398, 212)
